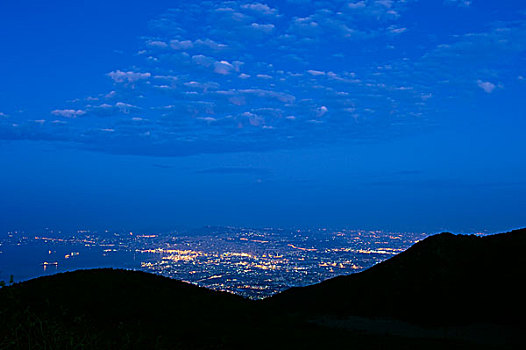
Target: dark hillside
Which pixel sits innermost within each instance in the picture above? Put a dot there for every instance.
(444, 279)
(129, 307)
(447, 281)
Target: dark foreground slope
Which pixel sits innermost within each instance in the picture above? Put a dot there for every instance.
(113, 309)
(116, 309)
(445, 281)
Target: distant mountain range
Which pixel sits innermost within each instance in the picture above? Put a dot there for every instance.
(448, 290)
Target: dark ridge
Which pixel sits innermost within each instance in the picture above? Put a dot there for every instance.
(444, 279)
(442, 285)
(116, 304)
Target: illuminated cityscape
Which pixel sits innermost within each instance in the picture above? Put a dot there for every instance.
(254, 263)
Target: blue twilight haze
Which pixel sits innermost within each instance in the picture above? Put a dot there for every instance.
(393, 114)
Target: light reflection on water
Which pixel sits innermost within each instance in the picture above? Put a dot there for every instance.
(36, 259)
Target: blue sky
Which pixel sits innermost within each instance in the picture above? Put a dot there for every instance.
(403, 115)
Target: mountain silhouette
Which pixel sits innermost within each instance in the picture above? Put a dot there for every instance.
(444, 279)
(448, 290)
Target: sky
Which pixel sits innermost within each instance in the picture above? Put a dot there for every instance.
(403, 115)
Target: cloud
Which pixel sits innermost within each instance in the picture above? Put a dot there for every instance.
(487, 86)
(261, 9)
(266, 28)
(472, 55)
(229, 76)
(322, 111)
(157, 43)
(181, 44)
(211, 44)
(315, 72)
(129, 77)
(68, 113)
(223, 67)
(203, 60)
(125, 107)
(356, 5)
(397, 30)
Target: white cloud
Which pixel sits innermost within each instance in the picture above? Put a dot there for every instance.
(181, 45)
(315, 72)
(266, 28)
(282, 97)
(396, 30)
(157, 43)
(130, 77)
(487, 86)
(211, 93)
(202, 86)
(262, 9)
(385, 3)
(356, 5)
(203, 60)
(223, 67)
(208, 119)
(322, 111)
(125, 107)
(211, 44)
(68, 113)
